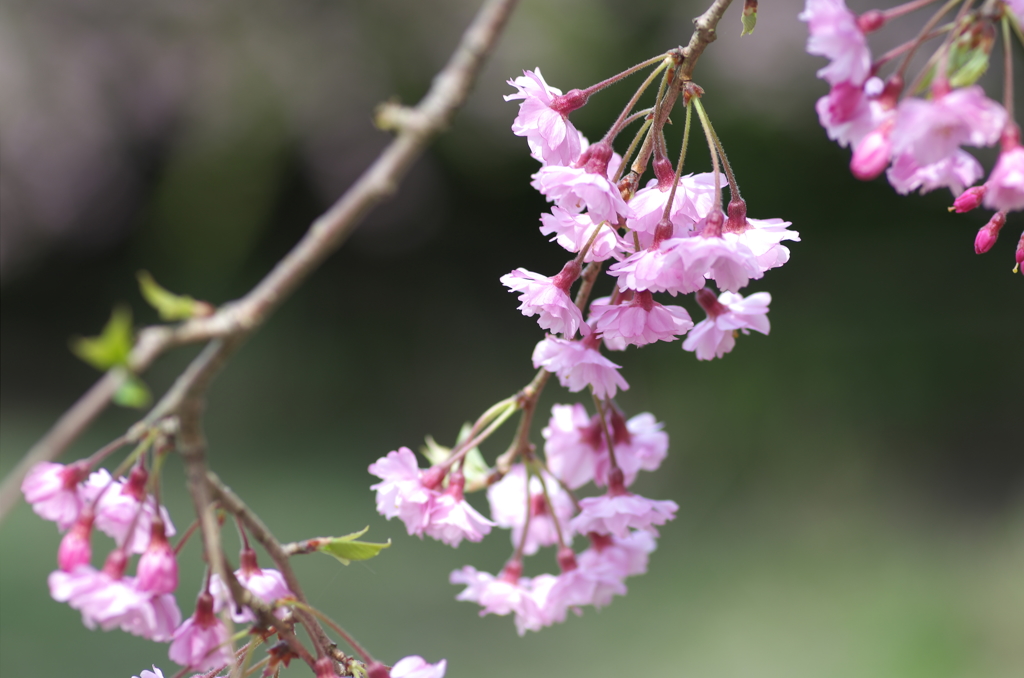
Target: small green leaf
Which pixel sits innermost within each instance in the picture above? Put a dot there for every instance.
(112, 346)
(749, 21)
(347, 548)
(132, 393)
(972, 69)
(170, 306)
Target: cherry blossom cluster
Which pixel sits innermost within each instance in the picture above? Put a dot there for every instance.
(914, 132)
(670, 237)
(79, 499)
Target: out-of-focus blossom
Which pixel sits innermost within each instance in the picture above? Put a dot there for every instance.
(202, 643)
(616, 514)
(1005, 186)
(417, 667)
(510, 503)
(52, 490)
(836, 35)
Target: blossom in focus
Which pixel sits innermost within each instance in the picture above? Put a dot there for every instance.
(715, 336)
(52, 490)
(575, 189)
(552, 138)
(578, 366)
(574, 231)
(835, 34)
(1005, 186)
(417, 667)
(201, 643)
(547, 298)
(510, 503)
(659, 269)
(616, 514)
(638, 322)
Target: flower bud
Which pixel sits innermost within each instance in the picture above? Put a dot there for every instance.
(512, 571)
(75, 548)
(570, 101)
(737, 221)
(871, 20)
(989, 233)
(872, 154)
(158, 568)
(324, 668)
(665, 172)
(968, 200)
(566, 559)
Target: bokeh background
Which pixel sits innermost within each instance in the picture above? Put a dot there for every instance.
(851, 487)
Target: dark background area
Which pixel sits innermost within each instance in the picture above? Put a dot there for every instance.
(850, 486)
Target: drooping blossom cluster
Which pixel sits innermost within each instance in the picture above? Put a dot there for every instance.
(915, 130)
(670, 237)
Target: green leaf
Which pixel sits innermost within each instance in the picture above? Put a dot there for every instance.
(170, 306)
(749, 21)
(132, 393)
(114, 344)
(347, 548)
(972, 69)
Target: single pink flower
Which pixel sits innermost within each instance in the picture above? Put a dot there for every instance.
(715, 336)
(118, 504)
(933, 129)
(836, 35)
(989, 233)
(510, 504)
(577, 586)
(157, 571)
(640, 445)
(552, 138)
(548, 298)
(871, 155)
(658, 269)
(508, 593)
(954, 172)
(452, 519)
(265, 583)
(1005, 186)
(848, 113)
(626, 556)
(577, 366)
(763, 238)
(76, 548)
(417, 667)
(569, 454)
(574, 231)
(52, 490)
(969, 199)
(201, 643)
(615, 514)
(402, 492)
(155, 673)
(638, 322)
(576, 188)
(648, 205)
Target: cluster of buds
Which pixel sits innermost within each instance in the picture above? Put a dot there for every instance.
(917, 129)
(670, 236)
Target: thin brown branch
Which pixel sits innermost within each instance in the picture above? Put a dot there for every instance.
(415, 128)
(704, 35)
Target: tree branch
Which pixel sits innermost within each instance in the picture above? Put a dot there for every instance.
(415, 128)
(704, 34)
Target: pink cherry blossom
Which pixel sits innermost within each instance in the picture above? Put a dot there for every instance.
(417, 667)
(659, 269)
(871, 155)
(569, 454)
(452, 519)
(954, 172)
(577, 366)
(117, 504)
(548, 298)
(714, 336)
(75, 548)
(989, 233)
(615, 514)
(202, 643)
(267, 584)
(52, 490)
(1005, 186)
(638, 322)
(574, 231)
(640, 444)
(510, 503)
(402, 492)
(836, 35)
(155, 673)
(506, 594)
(726, 259)
(626, 556)
(931, 130)
(574, 188)
(763, 237)
(552, 138)
(648, 205)
(157, 571)
(847, 112)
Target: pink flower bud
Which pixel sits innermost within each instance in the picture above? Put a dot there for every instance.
(325, 668)
(595, 159)
(75, 548)
(567, 276)
(709, 302)
(872, 154)
(737, 221)
(969, 199)
(570, 101)
(871, 20)
(989, 233)
(1019, 255)
(662, 232)
(512, 571)
(158, 568)
(566, 559)
(136, 485)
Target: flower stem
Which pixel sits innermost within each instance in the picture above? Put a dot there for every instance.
(709, 133)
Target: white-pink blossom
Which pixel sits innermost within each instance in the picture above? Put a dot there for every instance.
(648, 205)
(575, 189)
(574, 231)
(933, 129)
(626, 556)
(506, 594)
(835, 34)
(267, 584)
(638, 322)
(616, 514)
(955, 172)
(659, 269)
(452, 519)
(594, 584)
(577, 366)
(548, 299)
(418, 667)
(155, 673)
(715, 336)
(1005, 186)
(402, 492)
(847, 112)
(118, 502)
(552, 138)
(510, 503)
(52, 490)
(202, 643)
(570, 455)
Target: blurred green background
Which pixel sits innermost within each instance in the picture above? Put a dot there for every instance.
(851, 487)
